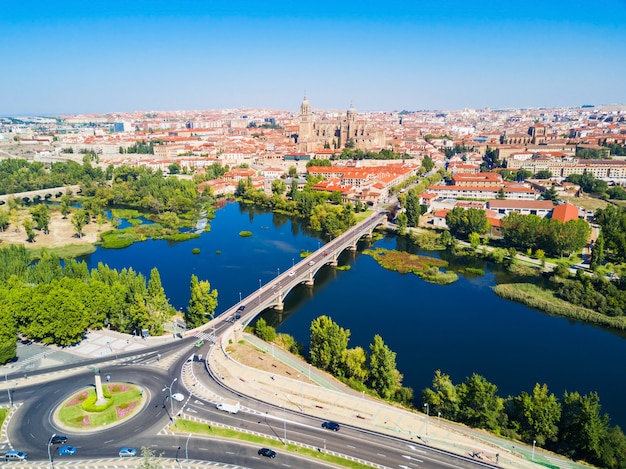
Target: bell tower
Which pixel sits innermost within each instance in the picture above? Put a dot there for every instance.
(305, 128)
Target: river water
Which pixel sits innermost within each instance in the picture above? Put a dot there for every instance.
(460, 328)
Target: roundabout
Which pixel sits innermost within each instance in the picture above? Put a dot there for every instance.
(79, 412)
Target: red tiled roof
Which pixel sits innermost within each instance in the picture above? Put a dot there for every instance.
(565, 212)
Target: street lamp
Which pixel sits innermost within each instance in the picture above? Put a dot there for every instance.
(438, 417)
(278, 271)
(533, 458)
(239, 297)
(293, 263)
(427, 415)
(169, 389)
(284, 421)
(49, 454)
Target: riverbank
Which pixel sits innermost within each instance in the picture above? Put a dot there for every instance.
(61, 238)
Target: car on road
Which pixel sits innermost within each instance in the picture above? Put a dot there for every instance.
(241, 308)
(199, 343)
(58, 440)
(67, 450)
(127, 452)
(178, 397)
(334, 426)
(268, 453)
(292, 273)
(15, 455)
(311, 262)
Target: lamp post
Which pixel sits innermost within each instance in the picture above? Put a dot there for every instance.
(533, 458)
(285, 425)
(427, 415)
(239, 297)
(277, 271)
(260, 287)
(187, 450)
(169, 389)
(293, 263)
(50, 454)
(438, 417)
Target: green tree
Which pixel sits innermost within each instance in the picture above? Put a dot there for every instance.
(8, 328)
(27, 224)
(550, 194)
(264, 331)
(480, 406)
(413, 209)
(383, 376)
(278, 186)
(202, 303)
(65, 205)
(292, 171)
(355, 364)
(327, 346)
(462, 222)
(597, 252)
(543, 174)
(41, 217)
(174, 168)
(442, 397)
(474, 239)
(501, 195)
(427, 164)
(538, 415)
(402, 222)
(79, 219)
(4, 219)
(582, 427)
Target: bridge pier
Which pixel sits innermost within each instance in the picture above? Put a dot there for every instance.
(310, 279)
(279, 306)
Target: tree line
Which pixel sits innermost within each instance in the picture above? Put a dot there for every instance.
(328, 351)
(324, 210)
(56, 302)
(573, 426)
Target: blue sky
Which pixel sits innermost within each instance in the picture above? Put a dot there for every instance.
(80, 56)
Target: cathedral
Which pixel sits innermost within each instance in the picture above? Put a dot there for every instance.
(339, 133)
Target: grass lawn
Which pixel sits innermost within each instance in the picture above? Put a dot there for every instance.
(3, 415)
(187, 426)
(126, 401)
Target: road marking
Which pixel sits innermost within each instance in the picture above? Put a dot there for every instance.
(350, 446)
(383, 455)
(411, 458)
(417, 450)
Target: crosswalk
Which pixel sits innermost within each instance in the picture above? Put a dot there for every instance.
(208, 336)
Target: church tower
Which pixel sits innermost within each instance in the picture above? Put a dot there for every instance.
(305, 129)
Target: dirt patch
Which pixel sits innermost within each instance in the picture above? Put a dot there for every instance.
(61, 232)
(247, 354)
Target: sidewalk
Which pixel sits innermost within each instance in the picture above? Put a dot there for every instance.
(329, 399)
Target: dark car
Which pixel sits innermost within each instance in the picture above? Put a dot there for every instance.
(66, 450)
(241, 308)
(334, 426)
(268, 453)
(58, 440)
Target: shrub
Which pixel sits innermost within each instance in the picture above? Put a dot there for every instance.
(245, 234)
(195, 251)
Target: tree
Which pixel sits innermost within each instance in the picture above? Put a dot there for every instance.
(474, 239)
(501, 195)
(174, 168)
(538, 415)
(597, 252)
(327, 346)
(41, 217)
(264, 331)
(65, 205)
(582, 428)
(413, 209)
(480, 405)
(543, 174)
(278, 186)
(402, 222)
(427, 164)
(442, 397)
(202, 302)
(550, 194)
(462, 222)
(383, 377)
(27, 223)
(355, 364)
(292, 172)
(79, 219)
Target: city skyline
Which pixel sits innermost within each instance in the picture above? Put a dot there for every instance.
(71, 57)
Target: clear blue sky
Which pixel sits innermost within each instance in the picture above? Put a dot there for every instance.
(123, 55)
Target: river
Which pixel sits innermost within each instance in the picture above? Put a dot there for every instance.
(460, 328)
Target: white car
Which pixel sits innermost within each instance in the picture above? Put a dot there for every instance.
(292, 273)
(311, 262)
(127, 452)
(178, 397)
